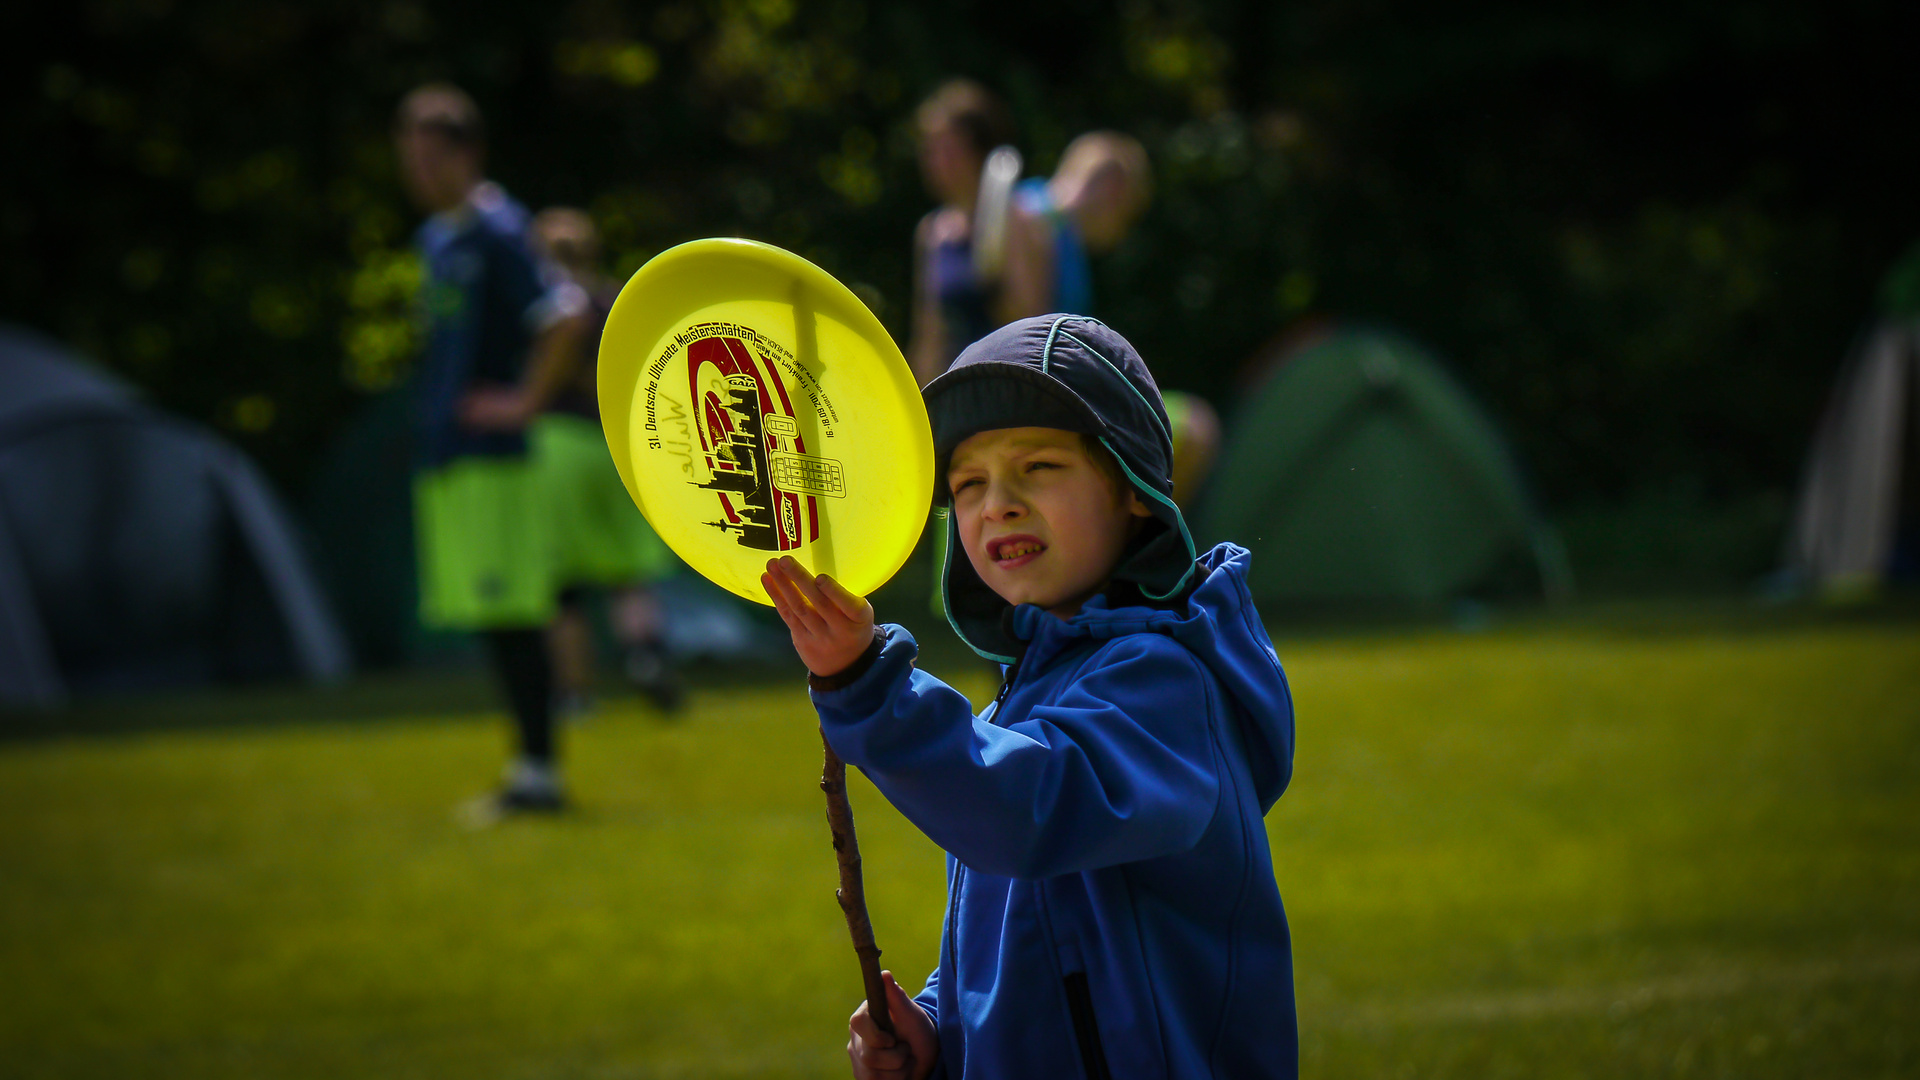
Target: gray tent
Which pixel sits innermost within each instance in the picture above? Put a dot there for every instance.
(136, 550)
(1848, 520)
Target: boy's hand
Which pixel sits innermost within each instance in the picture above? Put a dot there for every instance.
(831, 627)
(909, 1055)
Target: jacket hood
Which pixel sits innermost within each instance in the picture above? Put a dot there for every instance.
(1220, 626)
(1073, 373)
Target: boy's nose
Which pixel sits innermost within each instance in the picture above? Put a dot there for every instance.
(1002, 505)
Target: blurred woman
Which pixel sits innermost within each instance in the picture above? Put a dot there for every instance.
(1086, 207)
(952, 306)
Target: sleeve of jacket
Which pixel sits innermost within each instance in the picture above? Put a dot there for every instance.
(1119, 766)
(929, 996)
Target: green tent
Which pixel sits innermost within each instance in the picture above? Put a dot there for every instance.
(1359, 473)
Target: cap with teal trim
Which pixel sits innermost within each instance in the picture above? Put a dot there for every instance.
(1072, 373)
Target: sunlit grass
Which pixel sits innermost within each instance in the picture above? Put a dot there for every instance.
(1549, 853)
(1569, 855)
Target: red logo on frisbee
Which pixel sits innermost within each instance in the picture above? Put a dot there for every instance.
(750, 436)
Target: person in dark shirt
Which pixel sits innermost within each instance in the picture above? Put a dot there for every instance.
(482, 542)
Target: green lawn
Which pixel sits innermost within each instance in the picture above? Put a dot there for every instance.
(1542, 852)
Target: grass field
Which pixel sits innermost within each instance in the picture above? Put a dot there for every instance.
(1551, 852)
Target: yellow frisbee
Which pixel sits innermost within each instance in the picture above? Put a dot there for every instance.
(756, 408)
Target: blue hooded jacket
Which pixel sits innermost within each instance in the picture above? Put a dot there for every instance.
(1111, 905)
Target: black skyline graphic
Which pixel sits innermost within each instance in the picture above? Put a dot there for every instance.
(751, 480)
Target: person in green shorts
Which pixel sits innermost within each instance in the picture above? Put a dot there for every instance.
(484, 550)
(599, 539)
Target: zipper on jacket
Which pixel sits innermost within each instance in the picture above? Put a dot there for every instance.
(1085, 1031)
(1006, 684)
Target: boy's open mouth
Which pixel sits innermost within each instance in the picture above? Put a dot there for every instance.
(1010, 551)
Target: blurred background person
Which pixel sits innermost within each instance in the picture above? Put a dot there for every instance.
(600, 540)
(1085, 208)
(959, 125)
(482, 540)
(1196, 443)
(1055, 224)
(1100, 189)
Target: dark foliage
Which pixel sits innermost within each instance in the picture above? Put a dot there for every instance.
(1642, 233)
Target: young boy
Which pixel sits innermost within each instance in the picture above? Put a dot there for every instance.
(1111, 907)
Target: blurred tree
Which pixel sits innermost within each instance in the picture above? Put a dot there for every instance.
(1643, 233)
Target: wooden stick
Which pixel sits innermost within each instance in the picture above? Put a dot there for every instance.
(852, 893)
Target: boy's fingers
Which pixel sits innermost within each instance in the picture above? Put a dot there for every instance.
(790, 567)
(777, 589)
(795, 627)
(824, 594)
(887, 1059)
(897, 1006)
(782, 581)
(808, 616)
(772, 585)
(803, 583)
(868, 1032)
(832, 611)
(853, 607)
(823, 609)
(782, 603)
(799, 615)
(900, 1006)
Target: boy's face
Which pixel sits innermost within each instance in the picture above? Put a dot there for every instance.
(1041, 522)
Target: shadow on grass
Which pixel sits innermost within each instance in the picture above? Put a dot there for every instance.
(370, 696)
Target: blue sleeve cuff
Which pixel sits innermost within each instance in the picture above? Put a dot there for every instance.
(851, 673)
(928, 1001)
(863, 689)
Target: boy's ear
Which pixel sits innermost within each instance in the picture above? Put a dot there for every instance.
(1135, 506)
